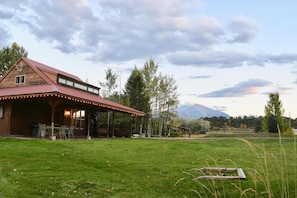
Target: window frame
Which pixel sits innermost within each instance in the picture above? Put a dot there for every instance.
(79, 119)
(20, 79)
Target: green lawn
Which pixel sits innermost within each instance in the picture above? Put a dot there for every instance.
(145, 167)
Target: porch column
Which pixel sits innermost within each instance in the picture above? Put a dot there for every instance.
(112, 129)
(130, 125)
(7, 116)
(53, 103)
(89, 125)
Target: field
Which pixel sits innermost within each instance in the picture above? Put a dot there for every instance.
(147, 167)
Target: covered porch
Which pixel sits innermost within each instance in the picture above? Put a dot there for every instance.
(24, 115)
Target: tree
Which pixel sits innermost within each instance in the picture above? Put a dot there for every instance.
(258, 124)
(110, 84)
(134, 94)
(167, 101)
(151, 81)
(9, 56)
(272, 124)
(273, 115)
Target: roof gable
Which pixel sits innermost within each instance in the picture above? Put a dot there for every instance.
(21, 70)
(47, 69)
(35, 72)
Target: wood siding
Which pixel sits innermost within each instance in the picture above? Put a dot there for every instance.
(26, 113)
(31, 77)
(5, 121)
(52, 77)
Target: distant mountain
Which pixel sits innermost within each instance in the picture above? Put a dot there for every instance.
(198, 111)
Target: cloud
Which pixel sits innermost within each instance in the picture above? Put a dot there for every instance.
(279, 89)
(200, 76)
(283, 90)
(228, 58)
(219, 108)
(210, 58)
(4, 35)
(241, 30)
(4, 14)
(63, 24)
(112, 30)
(282, 58)
(241, 89)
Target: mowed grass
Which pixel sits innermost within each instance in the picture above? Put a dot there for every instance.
(145, 167)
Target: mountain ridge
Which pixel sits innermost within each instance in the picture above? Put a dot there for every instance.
(199, 111)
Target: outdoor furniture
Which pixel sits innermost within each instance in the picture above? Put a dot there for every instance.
(70, 133)
(62, 131)
(103, 132)
(41, 131)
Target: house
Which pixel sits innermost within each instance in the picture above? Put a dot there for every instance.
(31, 92)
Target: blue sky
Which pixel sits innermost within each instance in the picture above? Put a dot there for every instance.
(225, 55)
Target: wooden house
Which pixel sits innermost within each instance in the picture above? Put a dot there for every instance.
(31, 92)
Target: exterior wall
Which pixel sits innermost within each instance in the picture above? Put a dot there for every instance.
(5, 121)
(26, 114)
(31, 78)
(51, 76)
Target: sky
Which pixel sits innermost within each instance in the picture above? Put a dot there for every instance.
(227, 55)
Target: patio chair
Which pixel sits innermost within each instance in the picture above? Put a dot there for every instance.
(70, 133)
(62, 131)
(41, 130)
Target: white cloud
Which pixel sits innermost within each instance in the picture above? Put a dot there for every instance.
(241, 30)
(241, 89)
(137, 29)
(4, 35)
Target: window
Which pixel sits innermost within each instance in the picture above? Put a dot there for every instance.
(20, 79)
(79, 119)
(1, 112)
(79, 85)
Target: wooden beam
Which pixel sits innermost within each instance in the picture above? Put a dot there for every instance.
(53, 103)
(112, 129)
(240, 174)
(89, 124)
(131, 126)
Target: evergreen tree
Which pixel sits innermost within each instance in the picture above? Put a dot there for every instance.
(273, 115)
(136, 98)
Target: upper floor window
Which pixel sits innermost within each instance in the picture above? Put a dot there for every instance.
(78, 85)
(20, 79)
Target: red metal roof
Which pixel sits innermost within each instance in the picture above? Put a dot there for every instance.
(52, 89)
(44, 68)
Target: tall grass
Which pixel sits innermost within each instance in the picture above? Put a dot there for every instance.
(269, 174)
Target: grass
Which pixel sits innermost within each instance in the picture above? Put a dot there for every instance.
(145, 167)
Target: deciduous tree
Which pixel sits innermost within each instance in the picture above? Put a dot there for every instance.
(110, 84)
(9, 56)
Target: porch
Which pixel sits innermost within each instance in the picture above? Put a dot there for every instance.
(24, 117)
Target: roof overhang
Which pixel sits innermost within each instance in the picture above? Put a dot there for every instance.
(65, 93)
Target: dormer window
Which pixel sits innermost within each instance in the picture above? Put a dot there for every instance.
(20, 79)
(78, 85)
